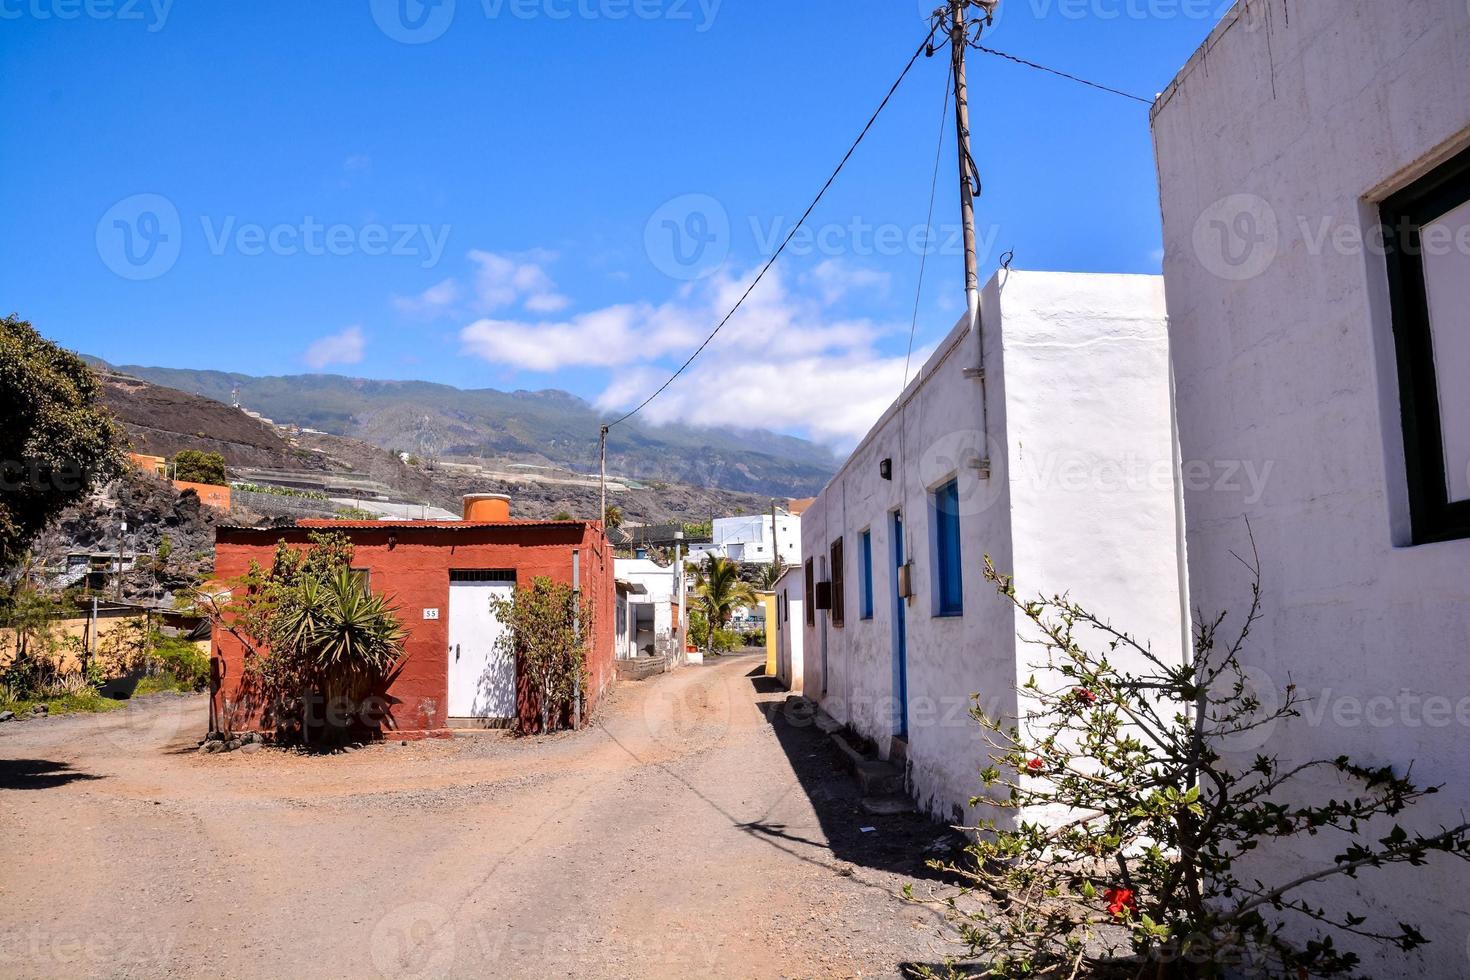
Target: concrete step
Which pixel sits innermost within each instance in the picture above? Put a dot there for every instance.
(827, 723)
(877, 778)
(888, 806)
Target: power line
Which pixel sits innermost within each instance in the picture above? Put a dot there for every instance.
(1062, 74)
(922, 49)
(928, 226)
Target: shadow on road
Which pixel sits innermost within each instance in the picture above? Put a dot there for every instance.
(39, 774)
(898, 843)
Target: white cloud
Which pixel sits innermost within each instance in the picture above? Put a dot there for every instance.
(345, 347)
(781, 362)
(771, 323)
(835, 280)
(434, 301)
(505, 280)
(833, 399)
(498, 282)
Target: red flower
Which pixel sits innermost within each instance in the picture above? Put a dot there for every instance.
(1084, 695)
(1035, 765)
(1121, 901)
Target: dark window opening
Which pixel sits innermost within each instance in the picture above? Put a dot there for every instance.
(811, 597)
(839, 590)
(1424, 228)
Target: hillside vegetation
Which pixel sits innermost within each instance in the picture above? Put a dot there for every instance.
(544, 427)
(164, 421)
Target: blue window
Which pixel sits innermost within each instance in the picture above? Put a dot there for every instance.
(866, 572)
(949, 596)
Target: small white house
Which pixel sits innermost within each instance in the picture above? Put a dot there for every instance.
(789, 629)
(758, 538)
(647, 615)
(1315, 179)
(1053, 453)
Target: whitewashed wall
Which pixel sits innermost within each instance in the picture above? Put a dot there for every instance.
(1283, 359)
(790, 616)
(1077, 369)
(658, 580)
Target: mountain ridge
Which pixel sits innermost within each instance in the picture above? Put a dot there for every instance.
(546, 426)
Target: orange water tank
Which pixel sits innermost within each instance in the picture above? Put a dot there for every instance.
(486, 508)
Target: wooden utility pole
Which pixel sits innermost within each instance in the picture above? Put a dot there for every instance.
(958, 43)
(122, 535)
(602, 477)
(775, 539)
(969, 180)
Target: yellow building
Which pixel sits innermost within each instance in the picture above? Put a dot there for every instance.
(768, 602)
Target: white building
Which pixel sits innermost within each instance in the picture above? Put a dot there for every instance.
(1304, 351)
(788, 626)
(648, 608)
(752, 538)
(1073, 413)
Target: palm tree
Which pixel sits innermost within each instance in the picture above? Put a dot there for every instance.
(721, 591)
(765, 579)
(613, 516)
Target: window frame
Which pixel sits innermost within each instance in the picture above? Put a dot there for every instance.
(838, 576)
(1433, 516)
(811, 589)
(947, 572)
(865, 574)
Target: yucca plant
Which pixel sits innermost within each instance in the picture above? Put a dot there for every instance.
(345, 639)
(313, 632)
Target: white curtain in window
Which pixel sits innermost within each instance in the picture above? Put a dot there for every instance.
(1446, 245)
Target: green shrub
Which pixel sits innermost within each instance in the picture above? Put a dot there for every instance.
(193, 466)
(726, 640)
(698, 628)
(280, 491)
(186, 663)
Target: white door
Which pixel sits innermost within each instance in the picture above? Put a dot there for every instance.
(482, 676)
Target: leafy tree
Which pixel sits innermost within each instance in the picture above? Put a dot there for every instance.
(720, 591)
(548, 628)
(1144, 866)
(57, 441)
(767, 575)
(194, 466)
(312, 632)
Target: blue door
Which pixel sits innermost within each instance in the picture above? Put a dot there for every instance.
(900, 632)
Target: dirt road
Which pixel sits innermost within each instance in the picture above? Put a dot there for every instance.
(694, 830)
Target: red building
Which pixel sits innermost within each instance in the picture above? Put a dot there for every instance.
(440, 576)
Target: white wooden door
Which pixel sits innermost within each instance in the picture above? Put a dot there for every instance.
(482, 676)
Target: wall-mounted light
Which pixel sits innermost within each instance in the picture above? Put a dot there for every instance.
(885, 469)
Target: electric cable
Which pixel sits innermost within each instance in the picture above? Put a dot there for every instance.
(923, 47)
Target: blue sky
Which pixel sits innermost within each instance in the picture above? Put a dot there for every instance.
(487, 192)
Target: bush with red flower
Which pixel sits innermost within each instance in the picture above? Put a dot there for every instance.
(1137, 877)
